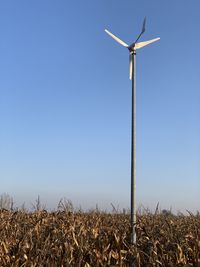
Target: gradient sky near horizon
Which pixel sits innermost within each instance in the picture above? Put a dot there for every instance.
(65, 103)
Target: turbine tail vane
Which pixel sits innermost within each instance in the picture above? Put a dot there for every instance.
(143, 30)
(143, 26)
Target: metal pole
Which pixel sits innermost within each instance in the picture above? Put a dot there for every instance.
(133, 151)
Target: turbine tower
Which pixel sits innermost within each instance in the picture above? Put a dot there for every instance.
(132, 75)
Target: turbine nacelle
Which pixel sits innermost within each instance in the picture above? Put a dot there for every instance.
(131, 48)
(134, 46)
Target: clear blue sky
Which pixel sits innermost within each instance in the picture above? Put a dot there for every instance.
(65, 102)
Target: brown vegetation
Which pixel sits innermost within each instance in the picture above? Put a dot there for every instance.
(67, 238)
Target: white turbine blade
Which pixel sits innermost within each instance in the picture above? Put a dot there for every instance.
(130, 66)
(141, 44)
(116, 38)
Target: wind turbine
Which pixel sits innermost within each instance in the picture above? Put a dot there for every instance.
(132, 75)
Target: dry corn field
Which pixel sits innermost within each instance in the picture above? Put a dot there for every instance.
(63, 238)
